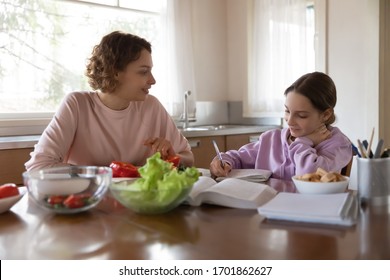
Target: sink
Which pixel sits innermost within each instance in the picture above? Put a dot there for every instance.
(199, 128)
(210, 127)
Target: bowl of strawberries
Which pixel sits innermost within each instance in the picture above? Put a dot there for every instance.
(10, 194)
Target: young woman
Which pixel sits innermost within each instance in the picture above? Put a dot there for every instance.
(308, 142)
(119, 121)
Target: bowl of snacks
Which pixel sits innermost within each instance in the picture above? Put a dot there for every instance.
(68, 189)
(10, 194)
(321, 182)
(160, 189)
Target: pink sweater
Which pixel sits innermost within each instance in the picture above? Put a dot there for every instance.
(86, 132)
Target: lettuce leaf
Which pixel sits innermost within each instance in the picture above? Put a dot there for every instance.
(160, 186)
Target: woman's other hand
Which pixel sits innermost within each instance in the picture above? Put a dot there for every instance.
(217, 170)
(160, 145)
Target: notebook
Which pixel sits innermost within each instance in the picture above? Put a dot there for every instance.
(337, 209)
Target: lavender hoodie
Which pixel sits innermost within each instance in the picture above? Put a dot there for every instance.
(272, 152)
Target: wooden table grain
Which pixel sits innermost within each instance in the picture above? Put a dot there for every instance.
(111, 231)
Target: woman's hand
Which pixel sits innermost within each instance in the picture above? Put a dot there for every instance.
(320, 134)
(217, 170)
(160, 145)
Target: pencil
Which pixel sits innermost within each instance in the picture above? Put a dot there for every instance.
(361, 148)
(370, 143)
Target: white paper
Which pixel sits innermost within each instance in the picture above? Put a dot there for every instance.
(231, 192)
(315, 208)
(252, 175)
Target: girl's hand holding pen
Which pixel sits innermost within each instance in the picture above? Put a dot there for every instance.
(217, 170)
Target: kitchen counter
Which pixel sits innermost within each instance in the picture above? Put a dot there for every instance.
(18, 142)
(230, 129)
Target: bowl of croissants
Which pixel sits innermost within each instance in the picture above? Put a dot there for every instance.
(321, 182)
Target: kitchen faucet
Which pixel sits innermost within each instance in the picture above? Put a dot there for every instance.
(185, 118)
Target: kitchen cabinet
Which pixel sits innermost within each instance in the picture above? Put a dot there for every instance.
(12, 165)
(203, 149)
(234, 142)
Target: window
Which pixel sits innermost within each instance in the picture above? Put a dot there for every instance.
(284, 45)
(44, 46)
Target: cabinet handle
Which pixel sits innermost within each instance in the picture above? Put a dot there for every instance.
(194, 143)
(253, 138)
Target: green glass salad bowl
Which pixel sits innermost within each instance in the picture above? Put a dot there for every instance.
(157, 200)
(161, 188)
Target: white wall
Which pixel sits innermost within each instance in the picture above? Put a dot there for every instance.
(220, 47)
(220, 36)
(353, 63)
(210, 47)
(237, 51)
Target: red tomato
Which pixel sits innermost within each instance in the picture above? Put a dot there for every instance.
(76, 200)
(8, 190)
(55, 199)
(123, 169)
(174, 159)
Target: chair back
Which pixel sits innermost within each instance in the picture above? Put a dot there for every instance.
(346, 171)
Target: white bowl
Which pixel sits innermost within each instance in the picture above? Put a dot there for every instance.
(58, 184)
(7, 202)
(320, 187)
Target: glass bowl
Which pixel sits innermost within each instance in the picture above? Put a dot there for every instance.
(155, 201)
(68, 189)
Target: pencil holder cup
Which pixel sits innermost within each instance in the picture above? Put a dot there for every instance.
(373, 181)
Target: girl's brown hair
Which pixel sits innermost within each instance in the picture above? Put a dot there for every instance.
(320, 89)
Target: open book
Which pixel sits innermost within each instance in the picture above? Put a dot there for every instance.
(337, 208)
(231, 192)
(252, 175)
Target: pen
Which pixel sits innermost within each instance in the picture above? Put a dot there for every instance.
(355, 150)
(378, 149)
(365, 145)
(218, 153)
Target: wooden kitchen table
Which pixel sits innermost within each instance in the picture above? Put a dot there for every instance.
(110, 231)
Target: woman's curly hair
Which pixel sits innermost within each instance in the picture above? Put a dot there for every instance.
(114, 52)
